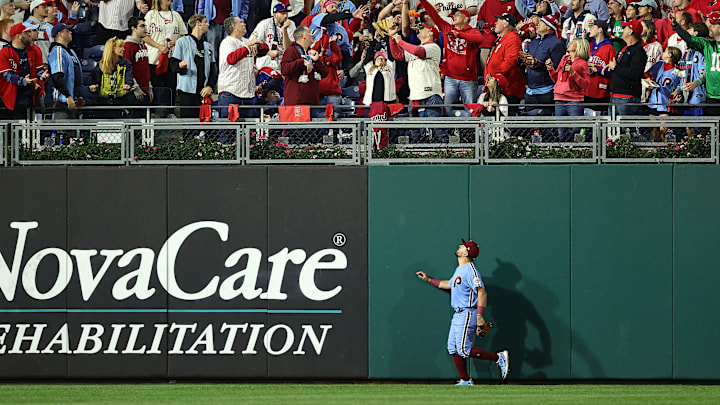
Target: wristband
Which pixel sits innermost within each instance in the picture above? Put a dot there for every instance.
(434, 282)
(480, 310)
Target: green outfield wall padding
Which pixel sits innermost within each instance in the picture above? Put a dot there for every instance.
(593, 272)
(696, 330)
(621, 261)
(520, 217)
(416, 216)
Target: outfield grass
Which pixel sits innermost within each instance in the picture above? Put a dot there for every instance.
(296, 394)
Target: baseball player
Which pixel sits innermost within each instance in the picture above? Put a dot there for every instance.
(468, 299)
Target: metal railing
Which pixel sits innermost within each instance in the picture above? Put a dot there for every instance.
(448, 140)
(303, 142)
(69, 142)
(488, 140)
(164, 141)
(543, 139)
(3, 148)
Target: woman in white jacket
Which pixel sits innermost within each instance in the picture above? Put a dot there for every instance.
(380, 90)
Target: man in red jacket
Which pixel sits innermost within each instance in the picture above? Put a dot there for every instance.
(461, 47)
(18, 74)
(302, 73)
(503, 59)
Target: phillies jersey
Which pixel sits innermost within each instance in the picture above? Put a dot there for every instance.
(694, 68)
(463, 286)
(445, 7)
(665, 75)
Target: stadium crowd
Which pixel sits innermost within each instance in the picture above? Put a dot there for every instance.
(551, 57)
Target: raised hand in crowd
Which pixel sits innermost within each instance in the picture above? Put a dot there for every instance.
(75, 7)
(315, 55)
(361, 11)
(144, 8)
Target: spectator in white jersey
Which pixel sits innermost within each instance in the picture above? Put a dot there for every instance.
(236, 80)
(38, 14)
(275, 32)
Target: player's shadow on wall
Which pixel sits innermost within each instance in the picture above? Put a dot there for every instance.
(517, 317)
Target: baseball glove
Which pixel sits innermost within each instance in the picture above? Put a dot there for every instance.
(483, 331)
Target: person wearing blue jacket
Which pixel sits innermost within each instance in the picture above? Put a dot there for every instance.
(65, 74)
(194, 62)
(546, 45)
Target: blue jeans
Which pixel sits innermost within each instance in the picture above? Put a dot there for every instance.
(334, 99)
(459, 89)
(430, 112)
(215, 35)
(622, 107)
(568, 109)
(225, 99)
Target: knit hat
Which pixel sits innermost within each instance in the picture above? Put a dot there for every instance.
(379, 54)
(551, 21)
(714, 18)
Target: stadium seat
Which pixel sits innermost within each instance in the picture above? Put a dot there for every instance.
(94, 52)
(87, 66)
(352, 92)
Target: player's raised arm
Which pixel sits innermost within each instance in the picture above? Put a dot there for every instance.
(444, 284)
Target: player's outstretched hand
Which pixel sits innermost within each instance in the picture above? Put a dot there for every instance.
(422, 276)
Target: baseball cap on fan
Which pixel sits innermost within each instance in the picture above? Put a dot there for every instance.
(36, 3)
(472, 248)
(507, 17)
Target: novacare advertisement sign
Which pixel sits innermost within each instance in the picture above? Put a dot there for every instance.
(241, 283)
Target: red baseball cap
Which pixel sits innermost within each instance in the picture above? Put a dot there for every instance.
(435, 32)
(472, 248)
(634, 25)
(457, 10)
(714, 18)
(18, 29)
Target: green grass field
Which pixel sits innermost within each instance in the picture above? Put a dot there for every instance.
(296, 394)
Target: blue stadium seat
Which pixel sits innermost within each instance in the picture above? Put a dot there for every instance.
(352, 92)
(94, 53)
(87, 66)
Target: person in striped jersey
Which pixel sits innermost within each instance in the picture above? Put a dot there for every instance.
(468, 299)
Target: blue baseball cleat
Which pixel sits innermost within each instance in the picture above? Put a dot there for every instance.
(463, 382)
(503, 362)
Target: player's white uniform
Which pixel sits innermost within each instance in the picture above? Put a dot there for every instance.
(272, 35)
(463, 298)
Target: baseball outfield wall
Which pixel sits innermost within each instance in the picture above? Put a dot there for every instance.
(593, 272)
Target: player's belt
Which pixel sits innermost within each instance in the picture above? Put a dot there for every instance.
(459, 310)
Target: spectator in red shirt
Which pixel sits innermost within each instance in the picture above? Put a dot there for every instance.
(136, 52)
(503, 59)
(461, 46)
(487, 13)
(299, 65)
(18, 74)
(602, 52)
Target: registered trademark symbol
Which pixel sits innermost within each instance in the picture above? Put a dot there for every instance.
(339, 239)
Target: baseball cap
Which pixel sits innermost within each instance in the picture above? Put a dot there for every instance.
(18, 29)
(36, 3)
(472, 248)
(379, 54)
(714, 18)
(5, 2)
(507, 17)
(603, 25)
(280, 8)
(649, 3)
(635, 25)
(457, 10)
(59, 27)
(31, 26)
(620, 2)
(436, 33)
(329, 2)
(551, 21)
